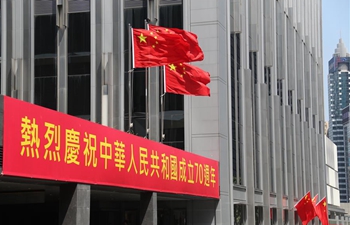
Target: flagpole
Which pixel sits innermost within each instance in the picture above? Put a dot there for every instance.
(131, 71)
(146, 93)
(162, 102)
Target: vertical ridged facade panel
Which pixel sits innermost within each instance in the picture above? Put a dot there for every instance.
(300, 67)
(269, 32)
(298, 157)
(286, 37)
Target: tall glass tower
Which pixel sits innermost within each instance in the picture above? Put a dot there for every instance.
(339, 98)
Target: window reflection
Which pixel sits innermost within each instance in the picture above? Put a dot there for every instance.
(45, 71)
(79, 65)
(136, 18)
(171, 16)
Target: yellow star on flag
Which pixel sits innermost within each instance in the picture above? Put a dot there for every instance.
(172, 67)
(324, 204)
(142, 38)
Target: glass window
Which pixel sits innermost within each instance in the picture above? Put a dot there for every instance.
(273, 216)
(134, 15)
(171, 16)
(235, 66)
(259, 215)
(45, 57)
(285, 217)
(280, 90)
(239, 214)
(79, 65)
(253, 68)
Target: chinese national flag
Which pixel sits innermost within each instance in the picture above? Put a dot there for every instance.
(305, 209)
(322, 211)
(314, 200)
(156, 49)
(186, 79)
(196, 53)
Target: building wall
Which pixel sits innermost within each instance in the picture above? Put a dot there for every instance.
(264, 118)
(333, 196)
(273, 151)
(346, 207)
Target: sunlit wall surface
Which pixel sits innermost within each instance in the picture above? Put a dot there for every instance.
(333, 196)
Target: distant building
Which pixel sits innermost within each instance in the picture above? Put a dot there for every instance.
(339, 92)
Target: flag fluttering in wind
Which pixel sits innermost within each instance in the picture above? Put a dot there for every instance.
(314, 199)
(322, 211)
(305, 209)
(156, 49)
(186, 79)
(195, 53)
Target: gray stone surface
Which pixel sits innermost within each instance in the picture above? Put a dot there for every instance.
(74, 204)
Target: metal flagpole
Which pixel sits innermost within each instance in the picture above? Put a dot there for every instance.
(146, 93)
(162, 102)
(131, 73)
(146, 101)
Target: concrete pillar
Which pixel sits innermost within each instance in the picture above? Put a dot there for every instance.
(6, 43)
(148, 208)
(265, 135)
(337, 219)
(96, 61)
(62, 52)
(20, 79)
(107, 63)
(247, 145)
(201, 137)
(153, 85)
(74, 204)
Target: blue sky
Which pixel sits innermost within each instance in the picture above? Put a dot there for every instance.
(335, 21)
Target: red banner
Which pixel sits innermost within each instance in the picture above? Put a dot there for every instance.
(46, 144)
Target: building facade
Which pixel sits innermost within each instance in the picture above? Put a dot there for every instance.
(264, 120)
(338, 97)
(333, 196)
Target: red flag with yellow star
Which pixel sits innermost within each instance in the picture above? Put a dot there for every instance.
(196, 53)
(156, 49)
(305, 209)
(186, 79)
(322, 211)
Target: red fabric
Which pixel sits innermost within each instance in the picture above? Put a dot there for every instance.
(45, 144)
(185, 79)
(305, 209)
(322, 211)
(196, 53)
(314, 200)
(157, 49)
